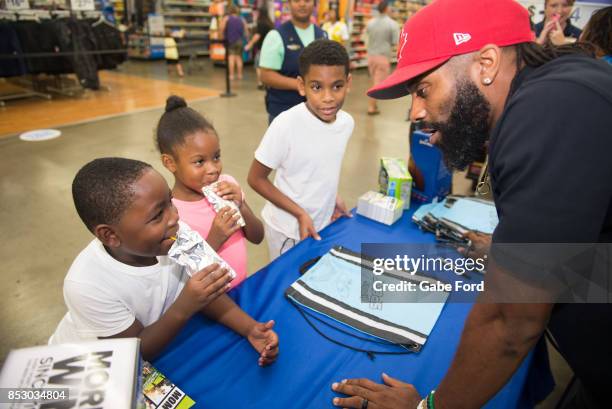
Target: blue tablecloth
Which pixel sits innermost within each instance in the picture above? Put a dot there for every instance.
(218, 369)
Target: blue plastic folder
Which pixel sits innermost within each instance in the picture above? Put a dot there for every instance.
(463, 212)
(473, 214)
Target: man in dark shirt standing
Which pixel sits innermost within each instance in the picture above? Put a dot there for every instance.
(475, 75)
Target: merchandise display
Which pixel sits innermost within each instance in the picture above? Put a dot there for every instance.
(217, 11)
(363, 11)
(192, 19)
(360, 17)
(94, 45)
(144, 46)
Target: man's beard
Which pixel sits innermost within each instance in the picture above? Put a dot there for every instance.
(464, 134)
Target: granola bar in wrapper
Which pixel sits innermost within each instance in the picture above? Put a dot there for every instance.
(219, 203)
(193, 252)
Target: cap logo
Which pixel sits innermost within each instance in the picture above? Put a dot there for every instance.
(404, 40)
(461, 38)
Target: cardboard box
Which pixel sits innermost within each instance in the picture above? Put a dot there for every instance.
(394, 179)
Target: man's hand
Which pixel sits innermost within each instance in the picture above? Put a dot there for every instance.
(229, 191)
(203, 288)
(307, 228)
(265, 341)
(224, 225)
(394, 394)
(340, 210)
(481, 245)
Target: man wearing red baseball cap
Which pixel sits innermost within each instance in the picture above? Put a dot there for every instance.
(476, 76)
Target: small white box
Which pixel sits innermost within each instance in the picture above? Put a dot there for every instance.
(383, 209)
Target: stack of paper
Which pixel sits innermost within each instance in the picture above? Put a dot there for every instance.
(383, 209)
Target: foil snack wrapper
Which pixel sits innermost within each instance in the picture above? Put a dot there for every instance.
(219, 203)
(194, 253)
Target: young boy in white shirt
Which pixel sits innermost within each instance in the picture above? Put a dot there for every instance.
(305, 145)
(123, 284)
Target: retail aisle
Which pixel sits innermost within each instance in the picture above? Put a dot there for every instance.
(126, 94)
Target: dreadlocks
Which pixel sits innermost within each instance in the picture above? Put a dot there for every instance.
(535, 55)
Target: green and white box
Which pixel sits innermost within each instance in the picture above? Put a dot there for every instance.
(394, 179)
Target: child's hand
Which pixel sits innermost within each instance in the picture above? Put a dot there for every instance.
(264, 341)
(340, 210)
(224, 225)
(203, 288)
(307, 229)
(229, 191)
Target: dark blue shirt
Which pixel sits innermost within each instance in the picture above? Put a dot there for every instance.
(551, 174)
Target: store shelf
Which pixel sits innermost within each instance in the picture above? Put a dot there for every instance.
(197, 36)
(187, 3)
(185, 24)
(185, 14)
(193, 18)
(360, 17)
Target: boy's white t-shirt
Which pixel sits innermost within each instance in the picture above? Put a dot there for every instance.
(307, 155)
(105, 296)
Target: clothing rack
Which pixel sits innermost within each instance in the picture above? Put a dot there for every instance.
(59, 83)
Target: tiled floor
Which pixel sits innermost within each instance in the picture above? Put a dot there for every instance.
(43, 233)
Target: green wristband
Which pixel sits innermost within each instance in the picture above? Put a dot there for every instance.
(430, 400)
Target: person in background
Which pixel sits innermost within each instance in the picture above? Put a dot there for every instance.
(556, 28)
(234, 30)
(382, 32)
(264, 25)
(598, 32)
(280, 52)
(171, 53)
(336, 29)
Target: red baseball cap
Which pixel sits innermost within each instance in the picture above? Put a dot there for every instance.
(446, 28)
